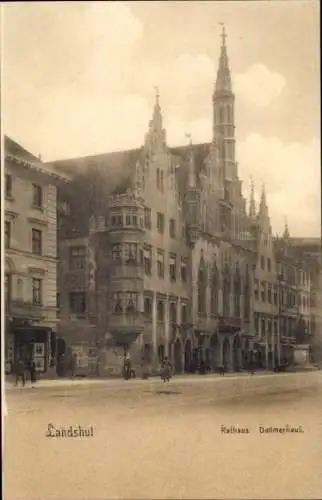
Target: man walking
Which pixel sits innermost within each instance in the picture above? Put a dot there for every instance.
(20, 372)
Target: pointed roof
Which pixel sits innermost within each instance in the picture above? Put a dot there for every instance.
(223, 81)
(156, 122)
(263, 205)
(252, 207)
(286, 234)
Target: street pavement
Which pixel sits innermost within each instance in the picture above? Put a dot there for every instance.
(155, 440)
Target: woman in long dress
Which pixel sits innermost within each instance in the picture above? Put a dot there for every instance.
(166, 370)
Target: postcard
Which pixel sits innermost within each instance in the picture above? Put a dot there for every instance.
(161, 272)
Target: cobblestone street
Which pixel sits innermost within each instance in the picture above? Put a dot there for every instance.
(152, 440)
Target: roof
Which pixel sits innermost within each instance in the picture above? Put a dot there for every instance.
(17, 155)
(117, 166)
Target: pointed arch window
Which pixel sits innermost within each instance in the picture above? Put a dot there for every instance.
(237, 291)
(226, 292)
(247, 296)
(214, 290)
(202, 287)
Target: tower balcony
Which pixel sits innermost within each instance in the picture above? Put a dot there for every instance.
(127, 271)
(126, 324)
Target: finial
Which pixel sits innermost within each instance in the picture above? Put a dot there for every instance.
(157, 93)
(223, 34)
(188, 136)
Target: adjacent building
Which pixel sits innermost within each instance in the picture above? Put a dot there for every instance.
(30, 277)
(162, 255)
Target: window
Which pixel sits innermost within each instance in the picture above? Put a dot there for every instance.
(160, 263)
(263, 331)
(77, 257)
(148, 307)
(172, 268)
(37, 196)
(116, 220)
(7, 234)
(262, 262)
(275, 294)
(269, 265)
(160, 311)
(269, 294)
(214, 291)
(161, 180)
(202, 284)
(8, 186)
(128, 220)
(183, 270)
(263, 295)
(172, 312)
(184, 315)
(147, 218)
(256, 323)
(36, 241)
(256, 287)
(131, 302)
(160, 222)
(148, 260)
(58, 300)
(172, 228)
(158, 178)
(117, 252)
(36, 291)
(77, 302)
(130, 253)
(117, 307)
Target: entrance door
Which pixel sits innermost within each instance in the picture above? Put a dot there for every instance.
(39, 350)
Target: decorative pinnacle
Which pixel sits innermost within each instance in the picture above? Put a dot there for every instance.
(223, 34)
(188, 136)
(157, 93)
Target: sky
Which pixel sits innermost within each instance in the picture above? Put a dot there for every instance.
(79, 79)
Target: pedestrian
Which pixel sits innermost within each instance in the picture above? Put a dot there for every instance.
(20, 372)
(166, 370)
(33, 372)
(73, 365)
(221, 370)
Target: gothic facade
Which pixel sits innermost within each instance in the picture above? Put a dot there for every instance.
(175, 261)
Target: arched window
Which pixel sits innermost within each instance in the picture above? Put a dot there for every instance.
(202, 287)
(226, 291)
(247, 295)
(214, 290)
(237, 291)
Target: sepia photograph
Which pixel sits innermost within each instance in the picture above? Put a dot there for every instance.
(161, 264)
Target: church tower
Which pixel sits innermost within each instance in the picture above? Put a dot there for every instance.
(223, 115)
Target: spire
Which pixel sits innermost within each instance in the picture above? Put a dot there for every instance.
(157, 115)
(252, 208)
(192, 170)
(286, 234)
(263, 204)
(223, 81)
